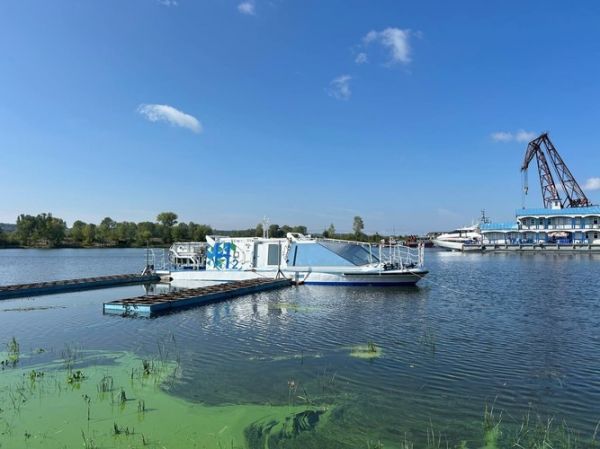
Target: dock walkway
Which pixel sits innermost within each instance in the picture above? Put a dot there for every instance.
(153, 304)
(71, 285)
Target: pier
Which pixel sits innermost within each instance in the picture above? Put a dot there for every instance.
(154, 304)
(71, 285)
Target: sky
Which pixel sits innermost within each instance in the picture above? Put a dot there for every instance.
(413, 115)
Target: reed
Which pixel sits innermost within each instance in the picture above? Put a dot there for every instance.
(117, 430)
(106, 384)
(88, 443)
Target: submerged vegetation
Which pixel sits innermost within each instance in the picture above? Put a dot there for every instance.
(368, 351)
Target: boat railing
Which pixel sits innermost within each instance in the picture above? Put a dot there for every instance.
(397, 256)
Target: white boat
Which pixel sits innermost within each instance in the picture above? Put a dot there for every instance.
(468, 238)
(302, 259)
(461, 239)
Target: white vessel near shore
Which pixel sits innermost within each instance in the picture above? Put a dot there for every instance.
(461, 239)
(302, 259)
(467, 238)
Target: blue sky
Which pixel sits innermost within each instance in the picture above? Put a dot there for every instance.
(414, 115)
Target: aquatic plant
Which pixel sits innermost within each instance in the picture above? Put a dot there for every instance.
(88, 443)
(434, 441)
(70, 354)
(106, 384)
(13, 351)
(491, 427)
(374, 445)
(74, 377)
(13, 354)
(34, 375)
(122, 397)
(148, 367)
(122, 430)
(542, 434)
(141, 406)
(368, 351)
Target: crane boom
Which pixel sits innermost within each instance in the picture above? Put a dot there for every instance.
(574, 196)
(573, 192)
(549, 191)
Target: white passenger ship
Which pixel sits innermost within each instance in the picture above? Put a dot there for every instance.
(300, 258)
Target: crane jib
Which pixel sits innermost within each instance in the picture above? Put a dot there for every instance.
(574, 195)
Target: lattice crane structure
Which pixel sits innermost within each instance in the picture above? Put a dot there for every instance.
(574, 196)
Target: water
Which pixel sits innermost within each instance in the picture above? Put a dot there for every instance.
(519, 332)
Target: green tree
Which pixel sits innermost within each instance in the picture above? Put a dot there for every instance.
(76, 231)
(275, 231)
(329, 232)
(146, 231)
(55, 230)
(26, 226)
(198, 232)
(358, 226)
(259, 230)
(167, 219)
(125, 233)
(180, 233)
(89, 234)
(105, 232)
(300, 229)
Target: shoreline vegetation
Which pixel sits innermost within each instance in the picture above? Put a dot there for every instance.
(47, 231)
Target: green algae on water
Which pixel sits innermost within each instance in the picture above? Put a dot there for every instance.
(368, 351)
(120, 401)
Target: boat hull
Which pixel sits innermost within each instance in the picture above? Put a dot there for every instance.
(457, 246)
(372, 278)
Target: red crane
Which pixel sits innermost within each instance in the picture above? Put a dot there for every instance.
(550, 194)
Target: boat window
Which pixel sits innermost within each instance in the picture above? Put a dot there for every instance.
(273, 255)
(355, 254)
(314, 255)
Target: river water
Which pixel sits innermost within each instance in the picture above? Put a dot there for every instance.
(519, 333)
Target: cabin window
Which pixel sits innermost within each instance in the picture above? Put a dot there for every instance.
(273, 255)
(595, 221)
(595, 236)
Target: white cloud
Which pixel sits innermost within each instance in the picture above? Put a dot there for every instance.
(361, 58)
(525, 136)
(395, 40)
(166, 113)
(520, 136)
(247, 8)
(502, 136)
(592, 184)
(168, 2)
(339, 88)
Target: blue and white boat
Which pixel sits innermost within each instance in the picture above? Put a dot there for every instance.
(303, 259)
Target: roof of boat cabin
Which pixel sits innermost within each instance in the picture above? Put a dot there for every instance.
(589, 210)
(500, 226)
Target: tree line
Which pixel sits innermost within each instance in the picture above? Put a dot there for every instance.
(45, 230)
